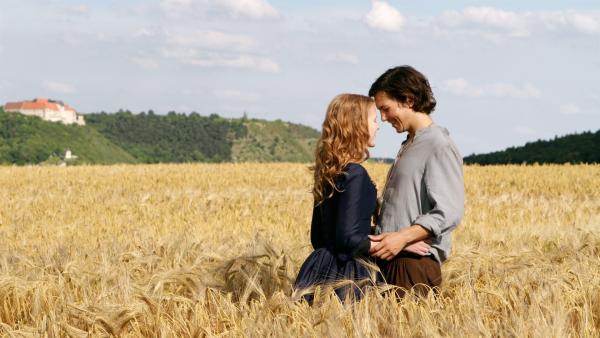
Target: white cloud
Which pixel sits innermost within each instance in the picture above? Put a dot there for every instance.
(588, 23)
(79, 10)
(384, 17)
(342, 58)
(143, 33)
(255, 9)
(173, 8)
(570, 109)
(144, 62)
(524, 130)
(525, 91)
(511, 23)
(212, 40)
(495, 24)
(462, 87)
(58, 87)
(217, 49)
(4, 84)
(194, 57)
(235, 95)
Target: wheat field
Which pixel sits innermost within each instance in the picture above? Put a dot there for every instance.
(211, 250)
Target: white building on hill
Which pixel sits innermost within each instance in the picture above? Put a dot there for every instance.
(49, 110)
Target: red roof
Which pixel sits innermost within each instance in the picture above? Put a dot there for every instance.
(36, 104)
(13, 105)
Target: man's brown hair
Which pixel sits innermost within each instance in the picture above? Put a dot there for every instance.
(404, 83)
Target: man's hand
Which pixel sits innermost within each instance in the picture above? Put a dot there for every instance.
(388, 246)
(420, 248)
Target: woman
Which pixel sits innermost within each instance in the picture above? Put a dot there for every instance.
(344, 199)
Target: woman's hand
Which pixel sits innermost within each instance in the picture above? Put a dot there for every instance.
(372, 245)
(420, 248)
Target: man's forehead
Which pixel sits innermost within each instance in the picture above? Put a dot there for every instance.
(381, 99)
(381, 95)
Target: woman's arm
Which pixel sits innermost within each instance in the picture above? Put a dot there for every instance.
(316, 235)
(353, 217)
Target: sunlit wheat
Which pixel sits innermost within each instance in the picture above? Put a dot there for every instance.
(213, 249)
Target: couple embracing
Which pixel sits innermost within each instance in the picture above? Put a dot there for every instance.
(407, 233)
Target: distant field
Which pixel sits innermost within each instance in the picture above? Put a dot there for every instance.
(212, 250)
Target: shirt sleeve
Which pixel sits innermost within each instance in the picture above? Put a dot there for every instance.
(444, 182)
(353, 218)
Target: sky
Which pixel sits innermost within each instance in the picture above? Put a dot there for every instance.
(503, 72)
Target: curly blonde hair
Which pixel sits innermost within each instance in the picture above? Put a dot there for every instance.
(344, 139)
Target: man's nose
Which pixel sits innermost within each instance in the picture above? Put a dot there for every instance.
(383, 117)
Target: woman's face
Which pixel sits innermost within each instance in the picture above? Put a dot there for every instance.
(373, 125)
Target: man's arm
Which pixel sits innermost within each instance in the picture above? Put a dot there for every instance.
(445, 190)
(445, 186)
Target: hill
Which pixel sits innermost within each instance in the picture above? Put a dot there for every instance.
(124, 137)
(31, 140)
(177, 137)
(274, 141)
(152, 138)
(574, 148)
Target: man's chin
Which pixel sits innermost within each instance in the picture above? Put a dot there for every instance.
(398, 129)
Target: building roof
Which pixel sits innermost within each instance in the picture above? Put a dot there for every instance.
(38, 103)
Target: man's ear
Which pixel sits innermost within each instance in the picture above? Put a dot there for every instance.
(409, 103)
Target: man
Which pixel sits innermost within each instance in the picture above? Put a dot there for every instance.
(423, 200)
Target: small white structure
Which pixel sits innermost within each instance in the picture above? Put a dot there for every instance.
(69, 155)
(49, 110)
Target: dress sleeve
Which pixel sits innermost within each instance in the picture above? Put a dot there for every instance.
(445, 191)
(353, 217)
(316, 227)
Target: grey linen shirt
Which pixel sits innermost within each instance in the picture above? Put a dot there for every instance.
(425, 186)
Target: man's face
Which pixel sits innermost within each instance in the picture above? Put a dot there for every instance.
(398, 114)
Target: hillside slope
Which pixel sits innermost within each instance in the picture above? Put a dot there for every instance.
(31, 140)
(275, 141)
(179, 137)
(124, 137)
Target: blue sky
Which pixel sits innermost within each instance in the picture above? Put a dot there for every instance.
(503, 72)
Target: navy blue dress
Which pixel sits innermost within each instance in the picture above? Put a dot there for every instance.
(339, 229)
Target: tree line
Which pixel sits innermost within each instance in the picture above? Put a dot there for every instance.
(573, 148)
(174, 137)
